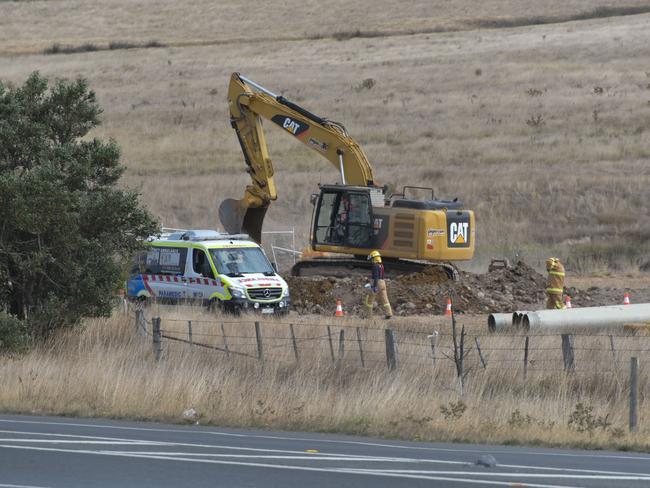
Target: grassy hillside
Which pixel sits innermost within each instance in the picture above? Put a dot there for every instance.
(541, 129)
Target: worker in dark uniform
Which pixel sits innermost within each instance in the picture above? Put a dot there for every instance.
(377, 290)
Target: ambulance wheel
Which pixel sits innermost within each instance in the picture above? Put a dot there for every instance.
(232, 309)
(218, 306)
(215, 305)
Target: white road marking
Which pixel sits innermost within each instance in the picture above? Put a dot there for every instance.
(49, 434)
(296, 468)
(512, 475)
(288, 458)
(5, 485)
(235, 448)
(68, 441)
(118, 427)
(350, 457)
(574, 470)
(335, 441)
(345, 457)
(476, 451)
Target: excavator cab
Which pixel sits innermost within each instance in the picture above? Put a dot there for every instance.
(343, 217)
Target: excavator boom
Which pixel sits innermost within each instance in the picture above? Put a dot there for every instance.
(249, 103)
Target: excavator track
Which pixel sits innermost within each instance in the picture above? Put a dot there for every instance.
(342, 268)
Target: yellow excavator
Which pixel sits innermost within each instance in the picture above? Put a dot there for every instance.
(351, 218)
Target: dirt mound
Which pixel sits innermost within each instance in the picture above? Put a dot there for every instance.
(506, 289)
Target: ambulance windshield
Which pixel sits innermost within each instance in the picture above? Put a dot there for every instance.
(241, 260)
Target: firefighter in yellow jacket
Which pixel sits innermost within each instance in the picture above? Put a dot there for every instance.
(554, 284)
(377, 289)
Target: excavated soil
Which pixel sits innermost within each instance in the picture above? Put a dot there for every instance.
(519, 287)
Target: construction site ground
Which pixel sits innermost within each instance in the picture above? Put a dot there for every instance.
(519, 287)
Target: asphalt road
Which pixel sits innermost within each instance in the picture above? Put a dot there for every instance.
(65, 452)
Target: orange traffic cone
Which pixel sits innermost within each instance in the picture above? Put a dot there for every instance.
(448, 309)
(567, 301)
(339, 308)
(626, 299)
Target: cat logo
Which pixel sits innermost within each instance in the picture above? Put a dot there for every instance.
(290, 125)
(293, 126)
(459, 232)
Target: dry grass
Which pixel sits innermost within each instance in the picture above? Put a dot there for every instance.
(106, 370)
(34, 26)
(541, 129)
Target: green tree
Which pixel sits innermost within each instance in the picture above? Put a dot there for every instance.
(65, 226)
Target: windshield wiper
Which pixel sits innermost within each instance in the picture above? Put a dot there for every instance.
(234, 275)
(269, 273)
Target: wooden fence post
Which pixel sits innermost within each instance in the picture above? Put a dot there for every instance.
(258, 336)
(612, 348)
(480, 354)
(329, 339)
(140, 323)
(157, 342)
(526, 343)
(189, 332)
(459, 352)
(634, 392)
(391, 352)
(225, 341)
(433, 338)
(293, 340)
(341, 344)
(363, 364)
(567, 352)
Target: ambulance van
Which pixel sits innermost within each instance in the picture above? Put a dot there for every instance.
(230, 272)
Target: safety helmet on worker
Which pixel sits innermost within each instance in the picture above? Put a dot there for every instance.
(375, 256)
(550, 263)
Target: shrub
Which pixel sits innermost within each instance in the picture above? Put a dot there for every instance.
(13, 335)
(583, 420)
(517, 419)
(66, 225)
(453, 411)
(57, 48)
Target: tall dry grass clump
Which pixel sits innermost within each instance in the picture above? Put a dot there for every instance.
(104, 369)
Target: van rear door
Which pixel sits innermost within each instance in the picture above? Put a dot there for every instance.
(164, 269)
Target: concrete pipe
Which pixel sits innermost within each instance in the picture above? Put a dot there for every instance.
(589, 317)
(518, 317)
(499, 321)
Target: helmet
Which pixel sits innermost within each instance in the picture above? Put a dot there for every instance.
(375, 256)
(550, 263)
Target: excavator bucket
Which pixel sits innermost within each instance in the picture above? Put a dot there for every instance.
(237, 217)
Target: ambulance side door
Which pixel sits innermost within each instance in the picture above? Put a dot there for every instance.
(199, 275)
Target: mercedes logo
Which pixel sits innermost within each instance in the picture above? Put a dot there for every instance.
(267, 293)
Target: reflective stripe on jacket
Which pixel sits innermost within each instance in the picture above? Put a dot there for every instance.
(555, 279)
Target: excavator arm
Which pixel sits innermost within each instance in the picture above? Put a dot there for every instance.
(249, 103)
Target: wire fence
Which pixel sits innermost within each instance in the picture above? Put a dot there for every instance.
(578, 353)
(522, 357)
